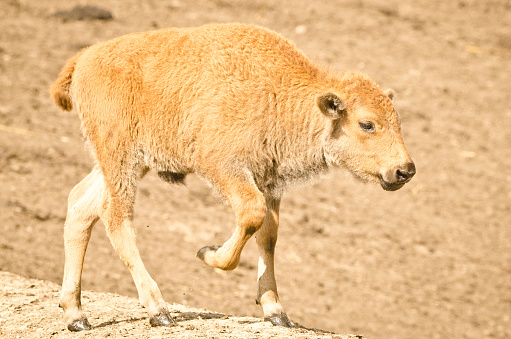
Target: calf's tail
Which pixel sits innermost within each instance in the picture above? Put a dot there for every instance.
(59, 91)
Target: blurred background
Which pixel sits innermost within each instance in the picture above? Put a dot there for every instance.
(432, 260)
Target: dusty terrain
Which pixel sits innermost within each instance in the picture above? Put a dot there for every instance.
(28, 310)
(432, 260)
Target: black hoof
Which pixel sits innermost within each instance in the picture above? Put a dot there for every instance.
(279, 320)
(79, 325)
(203, 251)
(162, 319)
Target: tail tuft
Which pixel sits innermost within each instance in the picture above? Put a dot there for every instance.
(62, 99)
(59, 91)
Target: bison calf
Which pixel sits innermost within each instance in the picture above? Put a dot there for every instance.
(240, 106)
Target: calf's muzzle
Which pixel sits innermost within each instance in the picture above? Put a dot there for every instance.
(395, 178)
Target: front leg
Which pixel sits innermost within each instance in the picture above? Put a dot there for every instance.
(267, 295)
(250, 209)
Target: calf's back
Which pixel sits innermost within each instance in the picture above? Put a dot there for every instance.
(199, 99)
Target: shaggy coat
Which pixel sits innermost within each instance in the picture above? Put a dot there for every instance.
(238, 105)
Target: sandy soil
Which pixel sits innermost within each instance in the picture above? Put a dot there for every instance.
(29, 309)
(431, 260)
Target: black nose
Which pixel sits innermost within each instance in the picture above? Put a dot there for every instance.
(406, 172)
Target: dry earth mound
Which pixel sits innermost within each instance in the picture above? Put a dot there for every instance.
(29, 309)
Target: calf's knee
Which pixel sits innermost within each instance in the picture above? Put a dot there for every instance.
(252, 218)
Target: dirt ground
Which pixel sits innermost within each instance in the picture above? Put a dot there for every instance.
(432, 260)
(28, 309)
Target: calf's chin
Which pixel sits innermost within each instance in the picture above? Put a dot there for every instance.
(389, 186)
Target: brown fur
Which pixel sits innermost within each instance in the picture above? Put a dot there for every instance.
(238, 105)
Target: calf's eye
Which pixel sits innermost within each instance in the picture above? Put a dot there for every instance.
(366, 126)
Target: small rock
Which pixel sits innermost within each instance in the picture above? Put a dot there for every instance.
(84, 13)
(301, 29)
(468, 154)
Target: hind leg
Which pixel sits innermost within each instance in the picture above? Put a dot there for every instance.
(84, 204)
(118, 218)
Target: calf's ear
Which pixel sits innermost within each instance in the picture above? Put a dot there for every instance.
(330, 105)
(391, 94)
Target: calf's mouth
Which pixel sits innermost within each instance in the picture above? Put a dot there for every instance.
(390, 186)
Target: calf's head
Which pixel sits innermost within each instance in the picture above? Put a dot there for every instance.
(365, 133)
